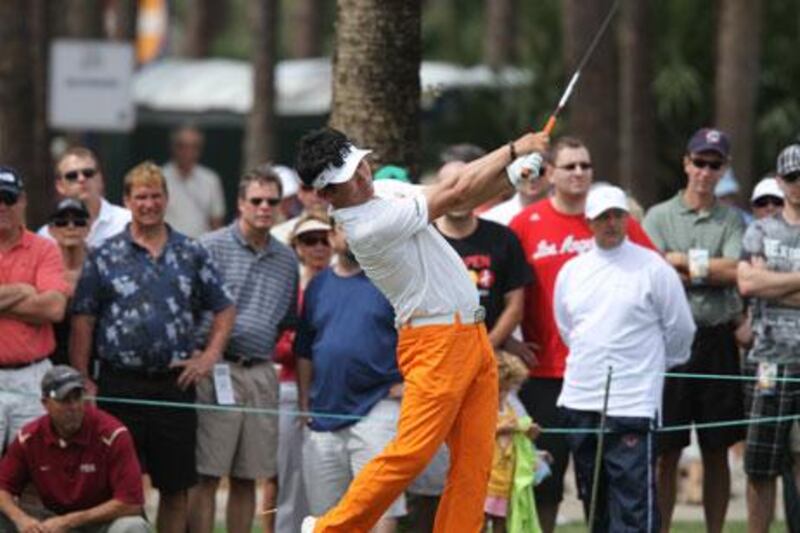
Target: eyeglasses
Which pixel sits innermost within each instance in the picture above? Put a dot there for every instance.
(705, 163)
(584, 165)
(256, 202)
(765, 201)
(8, 198)
(73, 175)
(791, 177)
(313, 241)
(64, 222)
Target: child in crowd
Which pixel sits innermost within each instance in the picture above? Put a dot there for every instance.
(512, 372)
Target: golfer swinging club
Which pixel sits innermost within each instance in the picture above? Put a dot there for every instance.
(443, 351)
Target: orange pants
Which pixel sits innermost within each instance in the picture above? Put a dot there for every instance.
(450, 395)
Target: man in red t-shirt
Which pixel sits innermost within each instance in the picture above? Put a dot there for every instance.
(81, 461)
(553, 231)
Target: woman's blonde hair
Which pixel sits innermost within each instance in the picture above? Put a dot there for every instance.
(511, 371)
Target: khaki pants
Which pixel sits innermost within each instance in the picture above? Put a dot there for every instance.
(450, 395)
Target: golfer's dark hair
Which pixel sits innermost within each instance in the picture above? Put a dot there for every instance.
(560, 144)
(317, 150)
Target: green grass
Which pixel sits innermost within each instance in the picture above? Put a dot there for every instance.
(683, 527)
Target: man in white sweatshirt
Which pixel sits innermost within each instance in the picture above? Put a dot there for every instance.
(621, 307)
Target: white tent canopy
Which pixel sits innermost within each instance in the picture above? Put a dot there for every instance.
(303, 86)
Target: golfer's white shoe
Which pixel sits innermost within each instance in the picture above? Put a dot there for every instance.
(308, 524)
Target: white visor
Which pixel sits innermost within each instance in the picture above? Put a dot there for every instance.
(767, 187)
(333, 174)
(604, 197)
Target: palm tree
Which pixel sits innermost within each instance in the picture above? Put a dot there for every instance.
(376, 66)
(259, 143)
(593, 110)
(636, 105)
(23, 128)
(736, 82)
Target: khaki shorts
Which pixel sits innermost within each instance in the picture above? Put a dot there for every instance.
(237, 444)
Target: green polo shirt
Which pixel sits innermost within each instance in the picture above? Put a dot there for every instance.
(674, 227)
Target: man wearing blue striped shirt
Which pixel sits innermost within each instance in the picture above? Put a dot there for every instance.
(262, 276)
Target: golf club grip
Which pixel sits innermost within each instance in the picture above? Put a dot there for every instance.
(551, 123)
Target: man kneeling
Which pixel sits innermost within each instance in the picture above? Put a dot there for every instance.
(82, 463)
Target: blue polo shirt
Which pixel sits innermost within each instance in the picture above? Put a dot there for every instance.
(347, 330)
(146, 308)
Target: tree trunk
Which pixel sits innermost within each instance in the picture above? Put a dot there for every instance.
(637, 106)
(121, 24)
(376, 77)
(259, 144)
(500, 35)
(736, 83)
(78, 18)
(305, 36)
(593, 109)
(23, 130)
(204, 20)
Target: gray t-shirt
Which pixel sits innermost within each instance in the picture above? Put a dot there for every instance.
(775, 326)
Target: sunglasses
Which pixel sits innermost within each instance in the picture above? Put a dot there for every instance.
(8, 198)
(764, 201)
(73, 175)
(256, 202)
(572, 166)
(791, 177)
(64, 222)
(705, 163)
(313, 241)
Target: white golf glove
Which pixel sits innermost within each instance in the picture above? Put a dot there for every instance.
(526, 167)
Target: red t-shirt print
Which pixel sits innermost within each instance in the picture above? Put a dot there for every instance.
(550, 239)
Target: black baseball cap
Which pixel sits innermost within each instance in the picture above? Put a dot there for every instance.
(70, 206)
(10, 181)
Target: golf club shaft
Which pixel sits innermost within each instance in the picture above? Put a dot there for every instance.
(551, 121)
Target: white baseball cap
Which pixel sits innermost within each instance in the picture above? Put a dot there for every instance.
(766, 187)
(604, 197)
(333, 175)
(290, 181)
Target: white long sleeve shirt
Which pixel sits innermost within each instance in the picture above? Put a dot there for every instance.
(623, 308)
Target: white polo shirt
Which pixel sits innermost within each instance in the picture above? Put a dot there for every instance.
(193, 200)
(404, 255)
(110, 220)
(624, 308)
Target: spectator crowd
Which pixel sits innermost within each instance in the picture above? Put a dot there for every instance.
(260, 353)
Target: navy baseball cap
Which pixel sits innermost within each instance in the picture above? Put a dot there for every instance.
(709, 140)
(10, 181)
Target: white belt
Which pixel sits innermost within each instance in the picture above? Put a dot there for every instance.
(447, 319)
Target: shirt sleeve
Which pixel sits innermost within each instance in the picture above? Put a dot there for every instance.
(214, 295)
(86, 300)
(217, 197)
(517, 269)
(652, 228)
(753, 242)
(674, 313)
(560, 309)
(125, 474)
(50, 270)
(732, 247)
(397, 220)
(13, 469)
